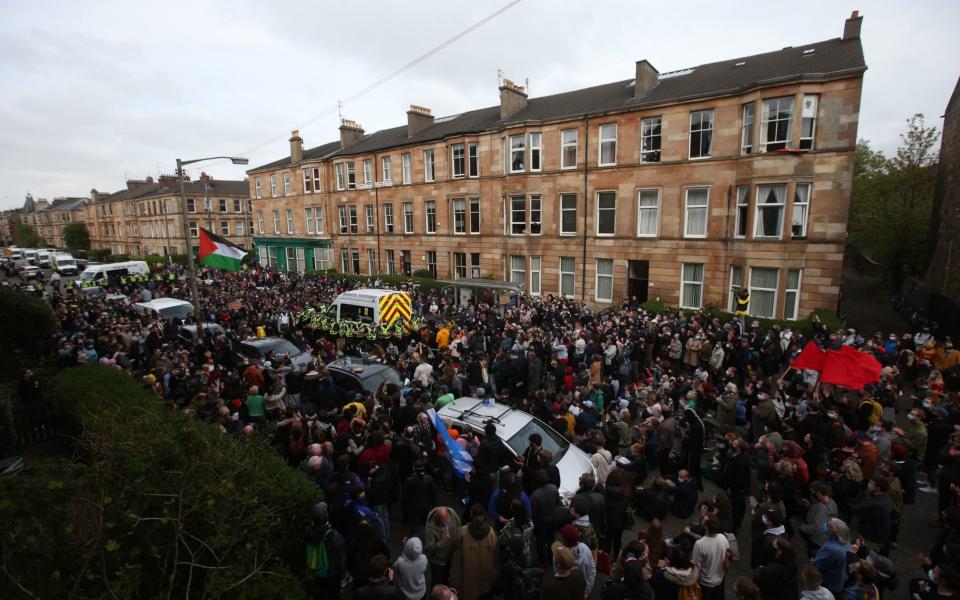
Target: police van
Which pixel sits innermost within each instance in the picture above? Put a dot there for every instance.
(373, 306)
(114, 270)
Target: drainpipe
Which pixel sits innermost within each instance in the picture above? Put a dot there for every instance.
(376, 202)
(586, 166)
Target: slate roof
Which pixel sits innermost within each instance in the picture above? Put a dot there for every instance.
(828, 59)
(217, 187)
(66, 204)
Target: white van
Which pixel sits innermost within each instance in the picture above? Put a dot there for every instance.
(168, 308)
(369, 305)
(114, 270)
(30, 256)
(64, 264)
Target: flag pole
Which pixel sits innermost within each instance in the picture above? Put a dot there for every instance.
(192, 268)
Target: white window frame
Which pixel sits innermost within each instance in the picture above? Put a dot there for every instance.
(787, 291)
(808, 115)
(518, 275)
(344, 260)
(430, 216)
(566, 144)
(572, 274)
(237, 206)
(517, 144)
(194, 229)
(263, 256)
(344, 223)
(388, 217)
(648, 210)
(461, 160)
(473, 208)
(406, 166)
(801, 203)
(428, 165)
(256, 188)
(221, 205)
(535, 143)
(321, 259)
(473, 159)
(289, 216)
(753, 290)
(260, 222)
(370, 217)
(308, 219)
(769, 106)
(734, 288)
(513, 223)
(597, 214)
(372, 261)
(275, 213)
(687, 208)
(273, 185)
(460, 265)
(536, 214)
(685, 282)
(311, 180)
(354, 219)
(699, 115)
(432, 262)
(605, 137)
(367, 171)
(458, 208)
(287, 184)
(747, 125)
(339, 170)
(759, 208)
(407, 217)
(598, 275)
(536, 282)
(647, 126)
(238, 229)
(563, 210)
(741, 215)
(351, 175)
(386, 169)
(391, 262)
(475, 265)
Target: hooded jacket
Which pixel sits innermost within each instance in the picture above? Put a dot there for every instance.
(411, 568)
(440, 553)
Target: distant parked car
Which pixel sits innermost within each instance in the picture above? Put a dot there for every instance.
(260, 348)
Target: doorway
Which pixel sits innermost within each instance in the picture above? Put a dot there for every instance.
(638, 280)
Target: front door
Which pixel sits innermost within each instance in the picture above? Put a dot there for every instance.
(638, 279)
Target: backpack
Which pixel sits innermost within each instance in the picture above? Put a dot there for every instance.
(588, 535)
(320, 561)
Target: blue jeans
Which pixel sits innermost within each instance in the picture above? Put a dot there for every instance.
(383, 511)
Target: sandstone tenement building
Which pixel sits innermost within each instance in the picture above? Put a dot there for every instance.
(683, 186)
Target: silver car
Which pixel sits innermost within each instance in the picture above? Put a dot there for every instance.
(514, 428)
(259, 348)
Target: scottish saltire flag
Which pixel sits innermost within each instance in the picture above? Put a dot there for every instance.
(457, 455)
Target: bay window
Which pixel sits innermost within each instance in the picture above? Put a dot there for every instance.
(518, 215)
(568, 149)
(518, 153)
(746, 134)
(535, 139)
(458, 161)
(775, 123)
(808, 121)
(743, 212)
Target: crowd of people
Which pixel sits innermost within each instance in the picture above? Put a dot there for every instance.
(685, 418)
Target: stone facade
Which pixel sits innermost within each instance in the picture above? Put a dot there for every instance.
(633, 225)
(944, 271)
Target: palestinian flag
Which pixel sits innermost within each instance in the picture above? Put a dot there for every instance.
(217, 252)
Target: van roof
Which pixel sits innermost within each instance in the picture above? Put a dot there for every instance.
(367, 294)
(472, 410)
(160, 303)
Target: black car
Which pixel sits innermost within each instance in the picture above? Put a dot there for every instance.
(354, 375)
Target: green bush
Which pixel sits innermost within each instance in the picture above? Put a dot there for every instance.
(8, 424)
(97, 254)
(159, 259)
(28, 324)
(805, 326)
(653, 306)
(426, 283)
(423, 274)
(159, 504)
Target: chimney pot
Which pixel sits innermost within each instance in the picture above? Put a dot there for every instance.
(851, 27)
(513, 98)
(646, 77)
(418, 119)
(296, 146)
(350, 133)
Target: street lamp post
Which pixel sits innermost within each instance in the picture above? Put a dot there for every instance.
(188, 245)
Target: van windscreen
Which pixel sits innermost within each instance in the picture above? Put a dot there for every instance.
(352, 312)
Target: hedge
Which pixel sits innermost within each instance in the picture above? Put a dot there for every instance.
(805, 326)
(426, 283)
(158, 503)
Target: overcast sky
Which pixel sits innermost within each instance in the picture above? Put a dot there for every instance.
(96, 91)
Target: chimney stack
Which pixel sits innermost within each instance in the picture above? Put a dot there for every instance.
(296, 146)
(646, 77)
(513, 99)
(350, 133)
(851, 28)
(418, 119)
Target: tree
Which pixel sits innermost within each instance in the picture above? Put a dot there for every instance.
(30, 329)
(156, 504)
(76, 236)
(892, 202)
(25, 236)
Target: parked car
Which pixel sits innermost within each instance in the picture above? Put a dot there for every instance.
(354, 375)
(188, 333)
(514, 428)
(31, 271)
(261, 347)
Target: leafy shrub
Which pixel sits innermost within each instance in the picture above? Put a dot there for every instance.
(28, 326)
(159, 503)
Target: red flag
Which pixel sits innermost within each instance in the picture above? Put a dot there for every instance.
(811, 357)
(850, 368)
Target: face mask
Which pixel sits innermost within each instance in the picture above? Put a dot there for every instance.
(826, 529)
(932, 576)
(912, 417)
(927, 405)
